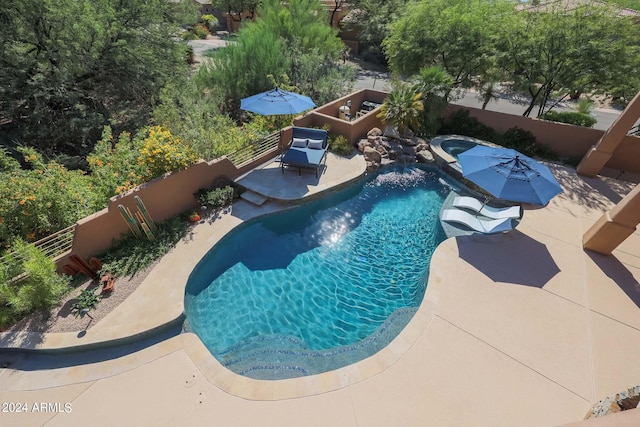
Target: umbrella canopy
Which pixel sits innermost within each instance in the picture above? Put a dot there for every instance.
(509, 175)
(276, 101)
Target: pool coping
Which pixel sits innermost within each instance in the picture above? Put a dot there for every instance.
(113, 329)
(248, 388)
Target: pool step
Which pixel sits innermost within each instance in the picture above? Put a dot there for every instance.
(274, 357)
(253, 198)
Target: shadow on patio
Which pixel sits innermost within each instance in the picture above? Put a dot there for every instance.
(511, 258)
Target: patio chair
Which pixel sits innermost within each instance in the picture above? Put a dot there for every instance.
(475, 205)
(307, 151)
(486, 226)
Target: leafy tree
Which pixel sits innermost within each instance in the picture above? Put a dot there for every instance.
(373, 18)
(586, 49)
(289, 44)
(68, 67)
(458, 35)
(238, 10)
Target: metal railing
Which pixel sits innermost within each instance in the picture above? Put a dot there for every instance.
(53, 245)
(254, 150)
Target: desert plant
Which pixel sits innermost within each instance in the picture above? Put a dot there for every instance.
(216, 198)
(584, 106)
(340, 145)
(87, 300)
(210, 21)
(29, 282)
(130, 254)
(402, 108)
(461, 123)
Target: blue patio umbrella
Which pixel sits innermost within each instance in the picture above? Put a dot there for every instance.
(276, 101)
(509, 175)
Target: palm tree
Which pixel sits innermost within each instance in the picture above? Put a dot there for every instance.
(435, 84)
(402, 108)
(489, 93)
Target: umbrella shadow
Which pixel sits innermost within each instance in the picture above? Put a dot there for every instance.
(620, 274)
(511, 258)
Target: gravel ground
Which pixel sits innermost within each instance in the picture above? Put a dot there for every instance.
(61, 319)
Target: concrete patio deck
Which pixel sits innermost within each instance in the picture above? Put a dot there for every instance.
(521, 329)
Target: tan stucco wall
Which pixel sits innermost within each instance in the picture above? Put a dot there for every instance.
(353, 130)
(163, 197)
(564, 139)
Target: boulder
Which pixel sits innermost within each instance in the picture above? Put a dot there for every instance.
(362, 144)
(380, 149)
(374, 132)
(424, 156)
(391, 132)
(370, 154)
(373, 139)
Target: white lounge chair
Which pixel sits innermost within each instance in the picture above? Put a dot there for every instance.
(486, 226)
(473, 204)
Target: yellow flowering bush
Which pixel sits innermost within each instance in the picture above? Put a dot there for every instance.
(119, 166)
(41, 199)
(162, 152)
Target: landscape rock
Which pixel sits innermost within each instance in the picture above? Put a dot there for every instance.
(424, 156)
(362, 144)
(391, 132)
(371, 155)
(374, 132)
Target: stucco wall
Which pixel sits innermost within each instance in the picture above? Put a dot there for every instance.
(566, 140)
(353, 130)
(163, 197)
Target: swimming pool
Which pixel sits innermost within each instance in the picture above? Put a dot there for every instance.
(322, 285)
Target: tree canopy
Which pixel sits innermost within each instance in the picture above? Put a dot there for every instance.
(458, 35)
(289, 44)
(550, 53)
(68, 67)
(588, 49)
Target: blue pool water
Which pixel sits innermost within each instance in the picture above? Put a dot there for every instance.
(322, 285)
(456, 146)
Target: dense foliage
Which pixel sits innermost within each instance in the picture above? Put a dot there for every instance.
(574, 118)
(287, 45)
(545, 54)
(28, 282)
(69, 67)
(458, 35)
(41, 198)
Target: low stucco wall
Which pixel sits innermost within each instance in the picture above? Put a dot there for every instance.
(164, 197)
(353, 130)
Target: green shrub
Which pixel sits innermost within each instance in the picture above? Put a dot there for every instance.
(525, 142)
(131, 254)
(216, 198)
(29, 282)
(340, 145)
(570, 117)
(41, 198)
(461, 123)
(87, 300)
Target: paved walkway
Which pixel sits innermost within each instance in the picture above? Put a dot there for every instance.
(521, 329)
